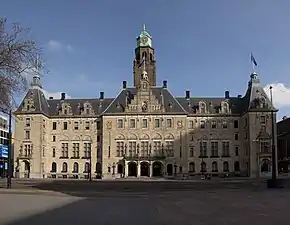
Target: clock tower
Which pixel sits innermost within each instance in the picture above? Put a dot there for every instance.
(144, 62)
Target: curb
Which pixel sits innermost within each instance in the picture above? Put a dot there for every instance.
(25, 191)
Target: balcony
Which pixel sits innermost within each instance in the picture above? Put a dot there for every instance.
(144, 157)
(25, 155)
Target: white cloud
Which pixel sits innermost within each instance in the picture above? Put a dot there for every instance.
(56, 46)
(281, 94)
(55, 95)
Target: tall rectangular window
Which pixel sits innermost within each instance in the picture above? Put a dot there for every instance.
(54, 125)
(64, 150)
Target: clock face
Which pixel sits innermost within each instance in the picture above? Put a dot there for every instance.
(144, 40)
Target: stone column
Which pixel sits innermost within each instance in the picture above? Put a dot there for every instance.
(138, 169)
(126, 168)
(150, 169)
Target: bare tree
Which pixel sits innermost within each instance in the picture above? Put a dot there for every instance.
(19, 59)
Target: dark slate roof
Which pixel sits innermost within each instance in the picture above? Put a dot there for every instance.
(171, 105)
(40, 102)
(98, 105)
(283, 126)
(213, 104)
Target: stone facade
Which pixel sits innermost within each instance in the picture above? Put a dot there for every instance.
(143, 131)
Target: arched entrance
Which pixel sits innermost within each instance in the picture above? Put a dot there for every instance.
(169, 169)
(265, 167)
(132, 169)
(26, 169)
(145, 169)
(157, 169)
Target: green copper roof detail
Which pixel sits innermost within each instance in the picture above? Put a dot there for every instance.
(144, 39)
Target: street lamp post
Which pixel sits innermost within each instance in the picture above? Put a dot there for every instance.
(175, 168)
(114, 166)
(272, 183)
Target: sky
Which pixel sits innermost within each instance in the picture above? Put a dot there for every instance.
(201, 46)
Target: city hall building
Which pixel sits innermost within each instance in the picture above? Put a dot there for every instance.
(144, 131)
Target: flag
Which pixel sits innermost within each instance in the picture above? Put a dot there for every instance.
(253, 60)
(142, 61)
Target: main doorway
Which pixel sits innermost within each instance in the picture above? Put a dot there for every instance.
(132, 169)
(145, 169)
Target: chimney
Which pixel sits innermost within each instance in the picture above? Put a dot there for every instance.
(101, 95)
(187, 94)
(227, 94)
(239, 96)
(62, 96)
(165, 84)
(50, 97)
(124, 84)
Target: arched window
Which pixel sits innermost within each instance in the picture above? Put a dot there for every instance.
(202, 107)
(237, 166)
(53, 167)
(87, 167)
(214, 166)
(76, 168)
(203, 167)
(64, 167)
(191, 167)
(226, 167)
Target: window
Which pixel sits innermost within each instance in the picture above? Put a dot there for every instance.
(132, 123)
(65, 125)
(265, 146)
(120, 123)
(98, 138)
(87, 125)
(237, 166)
(109, 169)
(27, 122)
(213, 124)
(203, 149)
(157, 123)
(76, 125)
(236, 136)
(76, 150)
(157, 148)
(246, 122)
(203, 167)
(54, 138)
(236, 124)
(120, 148)
(214, 148)
(64, 167)
(168, 123)
(98, 125)
(53, 152)
(191, 167)
(132, 148)
(202, 108)
(27, 134)
(144, 148)
(202, 124)
(64, 150)
(190, 124)
(214, 166)
(226, 148)
(237, 150)
(225, 124)
(144, 123)
(54, 125)
(169, 148)
(87, 150)
(246, 135)
(263, 120)
(27, 150)
(43, 152)
(191, 152)
(226, 167)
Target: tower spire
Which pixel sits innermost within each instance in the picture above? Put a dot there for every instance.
(144, 27)
(36, 77)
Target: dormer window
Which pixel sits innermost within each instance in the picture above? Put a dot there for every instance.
(202, 107)
(87, 108)
(225, 107)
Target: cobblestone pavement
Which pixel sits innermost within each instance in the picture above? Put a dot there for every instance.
(151, 203)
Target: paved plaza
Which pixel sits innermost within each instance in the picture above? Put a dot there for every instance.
(132, 202)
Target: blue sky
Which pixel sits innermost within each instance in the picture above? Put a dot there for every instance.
(203, 46)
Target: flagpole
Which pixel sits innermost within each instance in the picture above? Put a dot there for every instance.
(253, 64)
